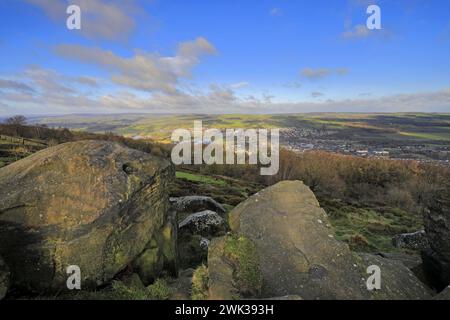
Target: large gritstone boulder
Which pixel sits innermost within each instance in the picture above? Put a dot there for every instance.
(299, 254)
(298, 251)
(437, 225)
(92, 204)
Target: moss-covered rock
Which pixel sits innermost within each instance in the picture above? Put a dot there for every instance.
(242, 254)
(93, 204)
(234, 269)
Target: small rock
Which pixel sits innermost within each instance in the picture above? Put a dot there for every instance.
(206, 223)
(413, 241)
(204, 244)
(191, 204)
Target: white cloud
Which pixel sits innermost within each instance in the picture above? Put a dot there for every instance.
(104, 19)
(218, 99)
(144, 71)
(15, 85)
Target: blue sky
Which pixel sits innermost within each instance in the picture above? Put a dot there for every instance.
(224, 56)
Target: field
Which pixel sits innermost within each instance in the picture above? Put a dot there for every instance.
(376, 127)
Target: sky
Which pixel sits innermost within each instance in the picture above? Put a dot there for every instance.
(224, 56)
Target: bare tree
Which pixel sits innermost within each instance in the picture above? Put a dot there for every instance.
(16, 123)
(17, 120)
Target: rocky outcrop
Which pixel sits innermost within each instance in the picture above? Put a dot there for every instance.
(397, 281)
(4, 278)
(206, 223)
(192, 204)
(299, 254)
(93, 204)
(437, 225)
(414, 241)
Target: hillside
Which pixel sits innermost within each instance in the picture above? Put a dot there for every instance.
(419, 136)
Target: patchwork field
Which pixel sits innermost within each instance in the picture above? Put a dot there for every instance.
(434, 127)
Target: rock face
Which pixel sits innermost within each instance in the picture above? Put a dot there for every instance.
(413, 241)
(160, 256)
(299, 254)
(437, 225)
(192, 204)
(93, 204)
(4, 279)
(206, 223)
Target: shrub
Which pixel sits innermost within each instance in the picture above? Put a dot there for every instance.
(159, 290)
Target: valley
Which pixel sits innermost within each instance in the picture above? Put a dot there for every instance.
(423, 137)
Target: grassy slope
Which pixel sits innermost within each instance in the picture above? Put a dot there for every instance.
(363, 228)
(14, 149)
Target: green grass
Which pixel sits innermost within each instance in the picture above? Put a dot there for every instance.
(441, 136)
(369, 229)
(13, 149)
(199, 178)
(228, 191)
